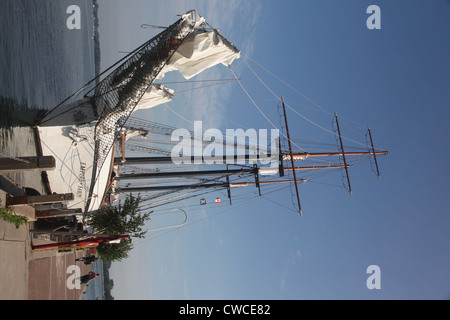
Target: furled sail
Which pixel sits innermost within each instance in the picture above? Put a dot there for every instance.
(185, 46)
(199, 51)
(155, 95)
(82, 135)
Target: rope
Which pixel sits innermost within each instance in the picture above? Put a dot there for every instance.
(300, 93)
(288, 85)
(91, 81)
(307, 119)
(216, 115)
(191, 122)
(259, 109)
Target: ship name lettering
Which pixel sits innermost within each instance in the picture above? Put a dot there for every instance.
(82, 179)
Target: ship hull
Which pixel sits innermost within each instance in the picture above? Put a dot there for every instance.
(76, 171)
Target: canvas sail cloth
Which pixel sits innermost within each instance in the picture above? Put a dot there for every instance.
(155, 95)
(82, 143)
(199, 51)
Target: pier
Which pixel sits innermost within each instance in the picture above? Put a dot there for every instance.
(32, 274)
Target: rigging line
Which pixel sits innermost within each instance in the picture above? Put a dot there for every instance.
(263, 83)
(378, 146)
(168, 201)
(206, 86)
(218, 114)
(288, 85)
(366, 181)
(327, 184)
(164, 211)
(178, 114)
(279, 204)
(187, 195)
(254, 103)
(59, 114)
(184, 82)
(209, 216)
(318, 141)
(233, 122)
(192, 123)
(156, 204)
(314, 176)
(274, 94)
(360, 134)
(319, 126)
(63, 162)
(306, 106)
(92, 81)
(307, 119)
(227, 209)
(179, 190)
(294, 89)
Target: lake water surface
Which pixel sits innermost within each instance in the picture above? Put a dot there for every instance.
(42, 62)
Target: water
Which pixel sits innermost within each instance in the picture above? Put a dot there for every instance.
(42, 62)
(94, 291)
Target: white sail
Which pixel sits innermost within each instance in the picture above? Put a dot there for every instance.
(200, 51)
(155, 95)
(81, 136)
(193, 19)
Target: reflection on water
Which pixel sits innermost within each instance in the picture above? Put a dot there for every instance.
(17, 138)
(42, 62)
(17, 114)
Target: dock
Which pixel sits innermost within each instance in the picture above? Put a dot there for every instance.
(34, 275)
(31, 274)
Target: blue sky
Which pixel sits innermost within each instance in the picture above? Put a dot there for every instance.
(394, 79)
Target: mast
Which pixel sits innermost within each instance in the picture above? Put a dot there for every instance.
(283, 157)
(343, 153)
(222, 178)
(204, 186)
(374, 153)
(227, 172)
(331, 154)
(292, 157)
(174, 187)
(168, 160)
(177, 174)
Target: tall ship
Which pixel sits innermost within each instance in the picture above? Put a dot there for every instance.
(103, 151)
